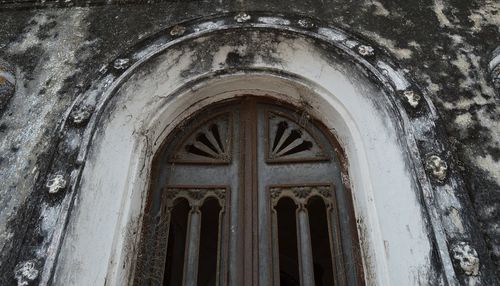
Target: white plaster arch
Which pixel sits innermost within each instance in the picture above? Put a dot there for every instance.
(168, 85)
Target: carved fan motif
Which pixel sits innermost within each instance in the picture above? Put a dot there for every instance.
(209, 143)
(288, 141)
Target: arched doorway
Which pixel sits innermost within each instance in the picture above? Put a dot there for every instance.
(249, 192)
(361, 97)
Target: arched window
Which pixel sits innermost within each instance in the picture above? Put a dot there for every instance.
(249, 193)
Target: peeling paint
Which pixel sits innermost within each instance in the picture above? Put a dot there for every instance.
(439, 7)
(34, 106)
(400, 53)
(451, 61)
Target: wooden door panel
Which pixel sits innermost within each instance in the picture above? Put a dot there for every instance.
(201, 175)
(249, 155)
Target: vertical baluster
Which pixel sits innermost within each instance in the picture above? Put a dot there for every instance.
(306, 258)
(192, 248)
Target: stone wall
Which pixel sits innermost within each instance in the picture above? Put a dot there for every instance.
(55, 50)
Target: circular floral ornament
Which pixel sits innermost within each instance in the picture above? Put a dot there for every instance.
(242, 17)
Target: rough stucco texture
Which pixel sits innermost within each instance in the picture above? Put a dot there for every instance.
(445, 45)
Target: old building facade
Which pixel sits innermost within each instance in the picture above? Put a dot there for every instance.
(118, 120)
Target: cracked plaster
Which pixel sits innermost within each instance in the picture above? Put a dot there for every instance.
(444, 44)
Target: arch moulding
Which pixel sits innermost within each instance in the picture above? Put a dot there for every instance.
(386, 124)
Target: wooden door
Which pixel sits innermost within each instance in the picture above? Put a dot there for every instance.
(249, 193)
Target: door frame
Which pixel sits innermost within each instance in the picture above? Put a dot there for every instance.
(248, 172)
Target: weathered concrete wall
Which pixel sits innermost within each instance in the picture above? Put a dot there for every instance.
(57, 52)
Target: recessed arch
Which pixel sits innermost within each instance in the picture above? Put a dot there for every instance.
(336, 77)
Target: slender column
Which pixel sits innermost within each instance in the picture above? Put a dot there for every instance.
(305, 248)
(192, 248)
